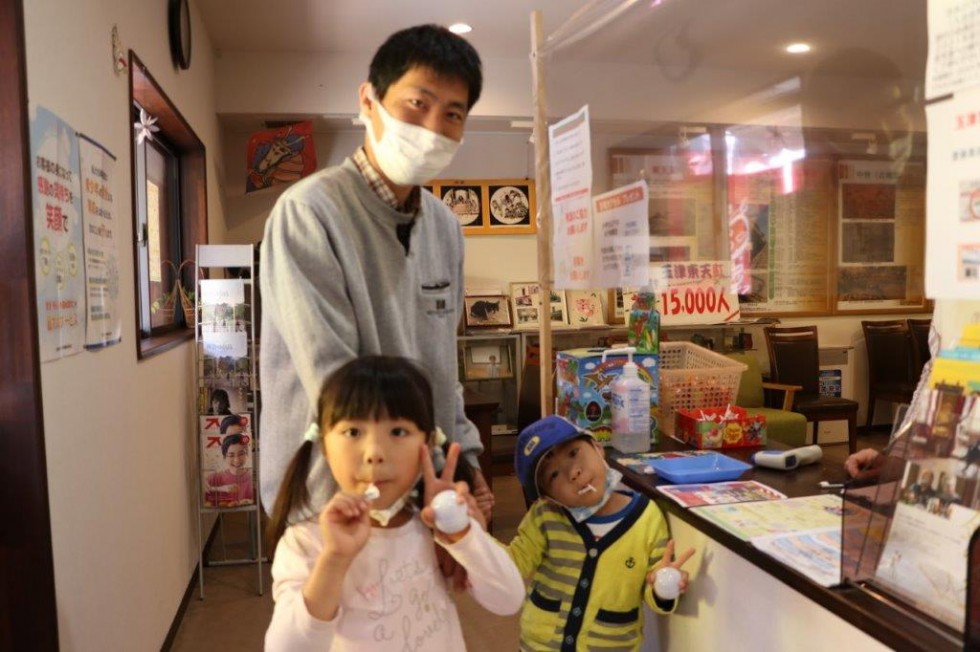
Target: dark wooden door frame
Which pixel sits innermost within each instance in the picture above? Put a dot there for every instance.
(28, 611)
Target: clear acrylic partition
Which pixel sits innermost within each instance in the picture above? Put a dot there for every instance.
(806, 172)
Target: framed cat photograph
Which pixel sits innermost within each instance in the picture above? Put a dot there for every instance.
(487, 311)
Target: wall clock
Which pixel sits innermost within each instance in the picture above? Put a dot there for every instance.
(179, 22)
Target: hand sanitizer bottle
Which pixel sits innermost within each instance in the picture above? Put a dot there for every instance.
(630, 408)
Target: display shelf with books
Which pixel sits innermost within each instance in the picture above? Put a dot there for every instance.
(225, 319)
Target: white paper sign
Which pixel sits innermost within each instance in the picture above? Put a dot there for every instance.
(954, 47)
(697, 293)
(217, 291)
(571, 191)
(622, 237)
(98, 182)
(225, 345)
(58, 252)
(953, 198)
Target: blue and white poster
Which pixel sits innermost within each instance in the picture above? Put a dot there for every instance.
(58, 251)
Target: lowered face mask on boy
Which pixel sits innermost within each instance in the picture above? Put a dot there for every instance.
(582, 513)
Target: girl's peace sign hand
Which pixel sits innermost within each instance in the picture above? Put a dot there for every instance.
(668, 561)
(345, 525)
(435, 484)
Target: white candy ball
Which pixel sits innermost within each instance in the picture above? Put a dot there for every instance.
(451, 516)
(667, 583)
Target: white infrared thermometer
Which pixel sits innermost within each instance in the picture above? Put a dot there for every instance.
(789, 459)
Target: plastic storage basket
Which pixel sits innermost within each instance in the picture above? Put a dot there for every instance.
(692, 376)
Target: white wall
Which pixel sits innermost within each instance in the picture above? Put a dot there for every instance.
(119, 433)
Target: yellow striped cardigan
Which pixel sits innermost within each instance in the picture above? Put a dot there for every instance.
(586, 594)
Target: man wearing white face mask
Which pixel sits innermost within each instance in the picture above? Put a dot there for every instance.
(358, 259)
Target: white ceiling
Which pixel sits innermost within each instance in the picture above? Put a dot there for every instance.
(717, 33)
(501, 27)
(884, 39)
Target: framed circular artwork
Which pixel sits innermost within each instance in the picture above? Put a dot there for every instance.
(510, 205)
(466, 203)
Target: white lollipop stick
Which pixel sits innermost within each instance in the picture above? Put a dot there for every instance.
(667, 583)
(372, 492)
(451, 516)
(586, 489)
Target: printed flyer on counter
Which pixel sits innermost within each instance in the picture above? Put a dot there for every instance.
(814, 553)
(749, 520)
(719, 493)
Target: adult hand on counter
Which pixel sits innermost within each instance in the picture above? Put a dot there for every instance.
(864, 464)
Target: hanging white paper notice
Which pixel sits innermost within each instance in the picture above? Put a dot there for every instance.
(622, 237)
(571, 191)
(954, 47)
(953, 198)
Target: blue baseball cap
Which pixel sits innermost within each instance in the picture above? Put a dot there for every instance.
(536, 440)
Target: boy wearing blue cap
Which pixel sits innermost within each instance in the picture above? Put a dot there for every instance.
(590, 550)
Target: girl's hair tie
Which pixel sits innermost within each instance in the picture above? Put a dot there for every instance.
(312, 433)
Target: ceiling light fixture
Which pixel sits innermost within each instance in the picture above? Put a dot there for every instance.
(798, 48)
(460, 28)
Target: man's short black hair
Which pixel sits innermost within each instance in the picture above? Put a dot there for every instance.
(426, 46)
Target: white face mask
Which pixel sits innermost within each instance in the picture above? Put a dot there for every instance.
(407, 154)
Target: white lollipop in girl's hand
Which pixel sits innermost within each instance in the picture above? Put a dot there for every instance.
(451, 516)
(667, 583)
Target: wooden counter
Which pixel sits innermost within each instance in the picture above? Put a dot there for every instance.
(741, 598)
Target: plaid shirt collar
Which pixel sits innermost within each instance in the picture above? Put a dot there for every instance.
(412, 203)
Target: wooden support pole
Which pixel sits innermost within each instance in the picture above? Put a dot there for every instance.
(542, 175)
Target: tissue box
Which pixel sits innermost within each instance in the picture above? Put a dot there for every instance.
(584, 387)
(738, 431)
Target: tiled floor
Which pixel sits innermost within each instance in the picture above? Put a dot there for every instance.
(233, 617)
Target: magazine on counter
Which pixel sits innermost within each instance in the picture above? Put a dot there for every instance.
(719, 493)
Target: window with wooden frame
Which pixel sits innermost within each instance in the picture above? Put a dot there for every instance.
(169, 212)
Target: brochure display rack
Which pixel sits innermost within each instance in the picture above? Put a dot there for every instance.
(228, 398)
(907, 529)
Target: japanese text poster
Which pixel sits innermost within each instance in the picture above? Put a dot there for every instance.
(58, 252)
(103, 321)
(571, 200)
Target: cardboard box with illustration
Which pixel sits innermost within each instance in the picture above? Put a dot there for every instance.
(583, 388)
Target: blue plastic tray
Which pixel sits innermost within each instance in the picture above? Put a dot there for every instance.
(714, 467)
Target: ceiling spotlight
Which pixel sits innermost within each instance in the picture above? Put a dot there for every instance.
(798, 48)
(460, 28)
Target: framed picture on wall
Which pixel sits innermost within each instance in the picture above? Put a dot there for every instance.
(489, 206)
(465, 200)
(585, 308)
(620, 301)
(511, 205)
(526, 302)
(525, 299)
(487, 311)
(487, 361)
